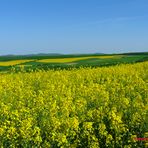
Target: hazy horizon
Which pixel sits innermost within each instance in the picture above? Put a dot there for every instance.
(70, 53)
(73, 27)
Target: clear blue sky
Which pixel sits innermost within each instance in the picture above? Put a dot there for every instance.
(73, 26)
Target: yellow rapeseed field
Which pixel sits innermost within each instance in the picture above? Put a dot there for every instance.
(67, 60)
(14, 62)
(99, 107)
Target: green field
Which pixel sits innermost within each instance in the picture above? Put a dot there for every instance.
(68, 61)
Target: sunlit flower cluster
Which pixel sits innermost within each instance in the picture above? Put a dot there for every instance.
(86, 107)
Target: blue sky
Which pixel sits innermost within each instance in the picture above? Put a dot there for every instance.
(73, 26)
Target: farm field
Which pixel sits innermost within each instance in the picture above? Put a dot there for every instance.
(67, 60)
(46, 62)
(74, 74)
(13, 63)
(83, 107)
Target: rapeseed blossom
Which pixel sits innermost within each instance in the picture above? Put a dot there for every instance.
(86, 107)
